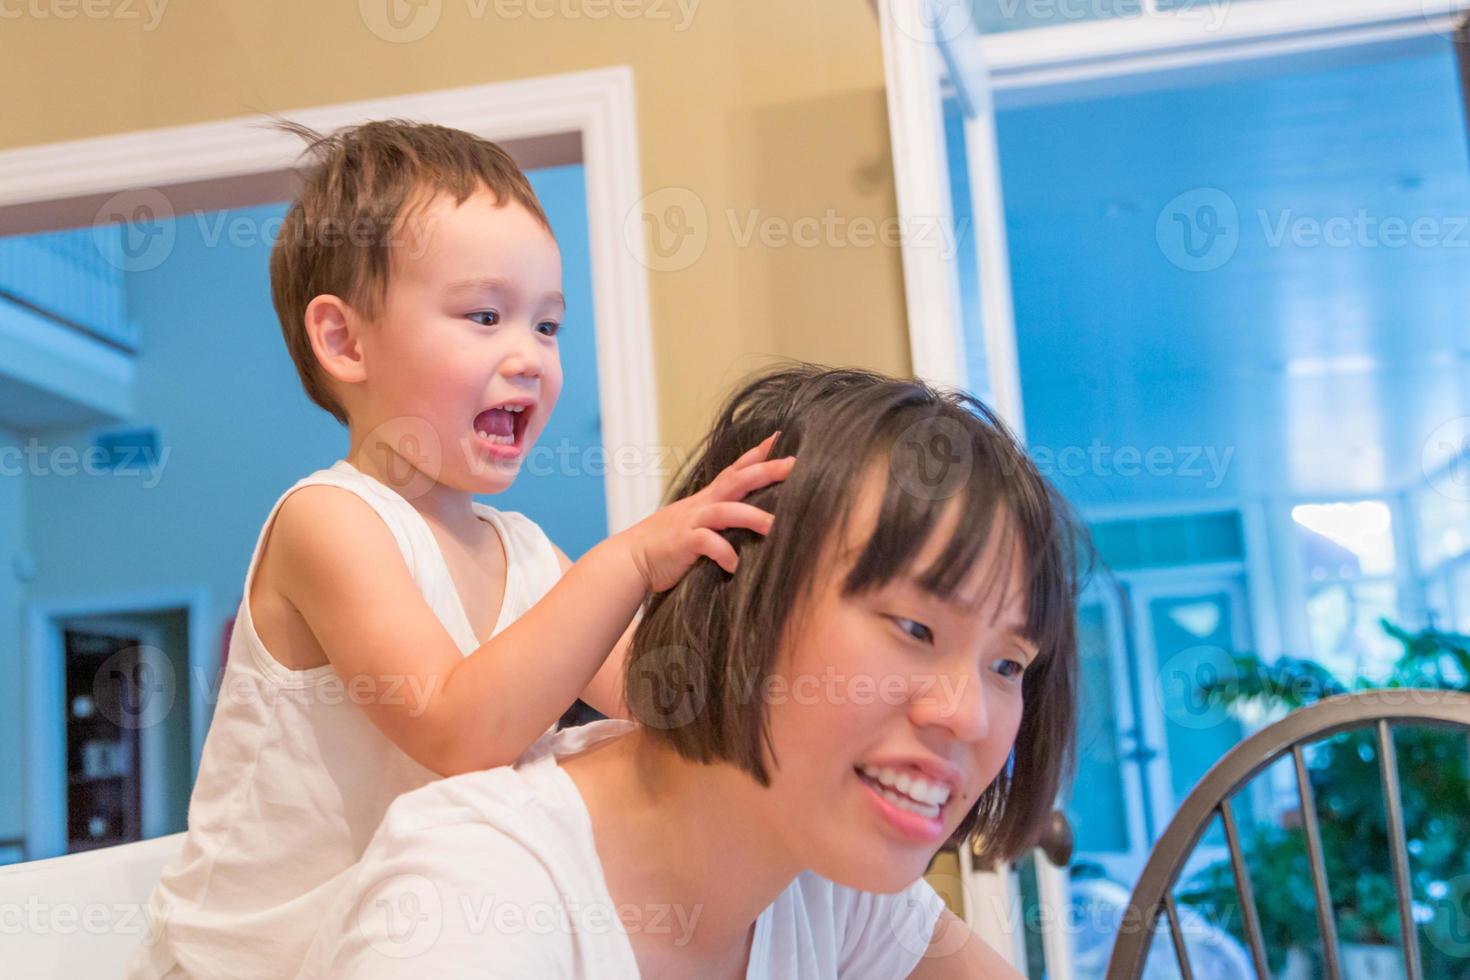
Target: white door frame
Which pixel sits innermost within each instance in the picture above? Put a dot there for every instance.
(45, 695)
(1126, 865)
(597, 105)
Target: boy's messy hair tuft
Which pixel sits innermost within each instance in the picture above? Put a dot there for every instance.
(338, 234)
(704, 649)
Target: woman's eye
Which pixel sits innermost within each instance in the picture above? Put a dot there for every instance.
(918, 631)
(491, 317)
(549, 328)
(1010, 669)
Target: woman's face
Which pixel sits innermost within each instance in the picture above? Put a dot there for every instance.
(891, 711)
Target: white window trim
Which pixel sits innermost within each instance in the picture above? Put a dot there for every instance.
(1212, 40)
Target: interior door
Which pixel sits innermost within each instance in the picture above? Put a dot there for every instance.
(1188, 626)
(115, 686)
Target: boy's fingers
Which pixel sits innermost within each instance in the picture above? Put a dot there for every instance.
(760, 452)
(732, 513)
(717, 549)
(753, 477)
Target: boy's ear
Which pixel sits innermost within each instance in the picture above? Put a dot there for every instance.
(335, 331)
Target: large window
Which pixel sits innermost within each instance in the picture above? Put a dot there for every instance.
(1350, 570)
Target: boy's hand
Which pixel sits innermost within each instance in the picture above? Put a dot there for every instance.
(665, 545)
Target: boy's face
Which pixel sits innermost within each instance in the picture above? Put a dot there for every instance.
(462, 362)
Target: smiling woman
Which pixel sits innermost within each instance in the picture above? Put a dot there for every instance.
(896, 655)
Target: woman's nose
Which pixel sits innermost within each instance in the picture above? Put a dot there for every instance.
(955, 701)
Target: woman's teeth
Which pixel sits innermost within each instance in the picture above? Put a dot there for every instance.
(908, 792)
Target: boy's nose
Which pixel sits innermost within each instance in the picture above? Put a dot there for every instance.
(525, 359)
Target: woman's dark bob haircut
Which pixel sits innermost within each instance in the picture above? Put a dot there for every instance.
(700, 658)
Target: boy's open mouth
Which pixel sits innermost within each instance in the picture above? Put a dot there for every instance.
(502, 429)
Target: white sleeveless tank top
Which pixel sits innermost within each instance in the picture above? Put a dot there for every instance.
(294, 778)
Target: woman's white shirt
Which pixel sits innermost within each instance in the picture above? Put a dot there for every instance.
(495, 874)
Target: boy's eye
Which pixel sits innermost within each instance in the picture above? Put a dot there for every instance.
(550, 328)
(492, 317)
(917, 631)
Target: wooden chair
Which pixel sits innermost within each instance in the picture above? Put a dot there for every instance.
(1153, 897)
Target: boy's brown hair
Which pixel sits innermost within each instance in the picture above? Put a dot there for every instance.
(704, 649)
(339, 232)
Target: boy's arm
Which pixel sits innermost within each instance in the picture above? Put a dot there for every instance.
(604, 693)
(342, 570)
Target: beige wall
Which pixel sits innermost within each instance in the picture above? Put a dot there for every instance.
(767, 110)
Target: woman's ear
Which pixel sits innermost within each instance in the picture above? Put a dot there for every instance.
(335, 331)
